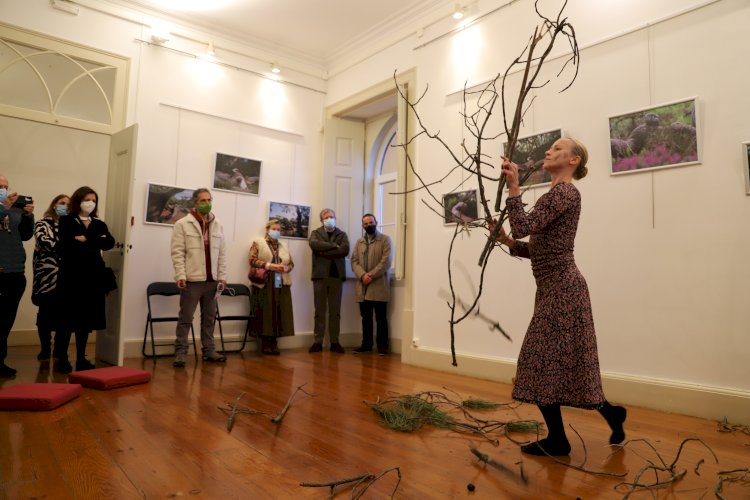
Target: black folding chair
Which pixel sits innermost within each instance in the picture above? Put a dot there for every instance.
(164, 289)
(235, 290)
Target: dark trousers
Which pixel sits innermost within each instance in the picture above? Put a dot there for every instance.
(327, 296)
(12, 286)
(366, 308)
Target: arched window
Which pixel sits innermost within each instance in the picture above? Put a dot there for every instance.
(384, 177)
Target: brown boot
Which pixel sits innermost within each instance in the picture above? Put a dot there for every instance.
(274, 347)
(265, 343)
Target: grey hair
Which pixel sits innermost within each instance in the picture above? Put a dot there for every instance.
(326, 210)
(198, 192)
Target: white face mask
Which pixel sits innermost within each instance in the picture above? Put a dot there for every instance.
(87, 207)
(329, 223)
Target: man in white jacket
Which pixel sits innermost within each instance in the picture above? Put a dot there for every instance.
(200, 270)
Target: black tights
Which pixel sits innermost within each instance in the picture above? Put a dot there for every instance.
(614, 415)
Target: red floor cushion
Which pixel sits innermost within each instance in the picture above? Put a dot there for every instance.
(37, 397)
(110, 377)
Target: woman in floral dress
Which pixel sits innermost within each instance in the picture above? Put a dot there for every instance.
(558, 364)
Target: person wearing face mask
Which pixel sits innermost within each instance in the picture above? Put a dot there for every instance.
(371, 262)
(82, 238)
(330, 246)
(44, 291)
(200, 270)
(16, 226)
(272, 300)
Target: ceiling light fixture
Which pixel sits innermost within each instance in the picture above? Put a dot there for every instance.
(65, 6)
(458, 12)
(210, 50)
(160, 35)
(275, 68)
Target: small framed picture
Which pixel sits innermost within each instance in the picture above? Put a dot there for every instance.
(236, 174)
(529, 156)
(658, 137)
(460, 207)
(294, 219)
(746, 163)
(165, 205)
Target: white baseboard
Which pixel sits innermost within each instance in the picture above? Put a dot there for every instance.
(31, 337)
(233, 341)
(709, 402)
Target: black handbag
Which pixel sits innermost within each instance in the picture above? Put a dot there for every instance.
(109, 280)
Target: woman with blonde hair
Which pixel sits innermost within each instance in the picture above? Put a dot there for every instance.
(44, 291)
(558, 364)
(272, 300)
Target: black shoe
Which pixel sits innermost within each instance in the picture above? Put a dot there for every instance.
(44, 355)
(84, 364)
(62, 366)
(7, 371)
(336, 347)
(214, 357)
(316, 347)
(383, 352)
(179, 361)
(362, 349)
(618, 433)
(555, 449)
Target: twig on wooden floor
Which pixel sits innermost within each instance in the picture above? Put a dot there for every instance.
(233, 409)
(673, 475)
(409, 412)
(367, 479)
(499, 466)
(278, 418)
(725, 426)
(735, 475)
(582, 467)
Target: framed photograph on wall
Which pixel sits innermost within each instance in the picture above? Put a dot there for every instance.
(460, 206)
(746, 163)
(529, 156)
(294, 219)
(236, 174)
(653, 138)
(165, 205)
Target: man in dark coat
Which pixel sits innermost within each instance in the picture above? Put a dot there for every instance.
(330, 246)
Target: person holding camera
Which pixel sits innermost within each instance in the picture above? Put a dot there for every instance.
(16, 226)
(82, 238)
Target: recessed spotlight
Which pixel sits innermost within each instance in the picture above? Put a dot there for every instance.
(275, 68)
(458, 12)
(210, 50)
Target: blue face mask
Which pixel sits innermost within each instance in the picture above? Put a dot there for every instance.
(274, 235)
(330, 223)
(3, 194)
(61, 210)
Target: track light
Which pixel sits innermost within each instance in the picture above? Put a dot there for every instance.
(458, 12)
(160, 35)
(210, 48)
(275, 68)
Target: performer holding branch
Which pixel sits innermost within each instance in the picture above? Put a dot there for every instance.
(558, 363)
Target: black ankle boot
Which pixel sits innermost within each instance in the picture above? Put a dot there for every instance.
(615, 417)
(554, 448)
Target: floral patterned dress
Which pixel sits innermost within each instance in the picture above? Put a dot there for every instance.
(558, 362)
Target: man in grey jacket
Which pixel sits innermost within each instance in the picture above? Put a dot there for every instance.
(16, 226)
(371, 262)
(200, 270)
(330, 246)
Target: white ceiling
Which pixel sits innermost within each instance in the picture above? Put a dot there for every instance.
(316, 29)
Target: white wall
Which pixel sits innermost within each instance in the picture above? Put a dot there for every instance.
(188, 110)
(664, 251)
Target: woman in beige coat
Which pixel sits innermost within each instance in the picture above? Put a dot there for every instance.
(272, 301)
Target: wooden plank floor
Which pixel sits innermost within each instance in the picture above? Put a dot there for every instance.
(167, 439)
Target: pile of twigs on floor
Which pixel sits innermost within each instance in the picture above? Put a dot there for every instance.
(409, 412)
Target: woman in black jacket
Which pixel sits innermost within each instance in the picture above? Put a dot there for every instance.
(83, 236)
